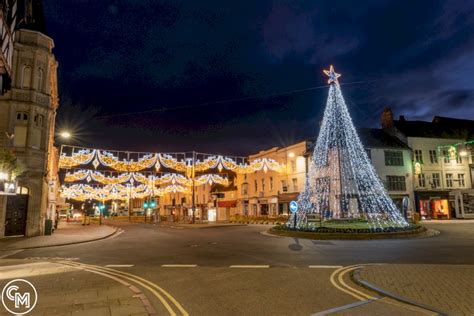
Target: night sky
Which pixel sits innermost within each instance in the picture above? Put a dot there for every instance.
(183, 58)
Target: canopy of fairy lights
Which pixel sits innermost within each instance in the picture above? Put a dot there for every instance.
(138, 175)
(82, 192)
(97, 157)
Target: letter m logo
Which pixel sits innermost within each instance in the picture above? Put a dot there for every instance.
(22, 299)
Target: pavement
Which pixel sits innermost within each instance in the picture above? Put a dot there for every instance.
(67, 233)
(65, 290)
(447, 288)
(236, 270)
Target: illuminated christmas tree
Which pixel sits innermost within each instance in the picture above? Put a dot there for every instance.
(341, 182)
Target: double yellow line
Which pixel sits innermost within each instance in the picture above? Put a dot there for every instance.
(157, 291)
(337, 280)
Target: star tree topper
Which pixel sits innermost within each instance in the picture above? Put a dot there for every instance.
(331, 73)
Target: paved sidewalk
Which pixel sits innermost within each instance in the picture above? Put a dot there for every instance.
(67, 291)
(67, 233)
(449, 288)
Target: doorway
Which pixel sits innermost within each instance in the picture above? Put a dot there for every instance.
(15, 219)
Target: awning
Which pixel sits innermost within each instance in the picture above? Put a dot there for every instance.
(227, 203)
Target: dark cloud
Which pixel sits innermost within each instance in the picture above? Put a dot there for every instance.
(124, 56)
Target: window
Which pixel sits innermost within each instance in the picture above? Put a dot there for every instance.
(369, 153)
(293, 166)
(421, 180)
(393, 158)
(446, 156)
(244, 189)
(458, 159)
(461, 180)
(295, 184)
(449, 180)
(255, 185)
(203, 199)
(22, 116)
(263, 185)
(396, 183)
(418, 156)
(433, 156)
(39, 80)
(436, 180)
(284, 187)
(39, 118)
(271, 183)
(26, 77)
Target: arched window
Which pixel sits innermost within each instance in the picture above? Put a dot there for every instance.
(26, 77)
(39, 80)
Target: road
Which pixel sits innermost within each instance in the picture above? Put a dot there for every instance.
(239, 271)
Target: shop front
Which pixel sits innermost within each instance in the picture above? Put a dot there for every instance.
(284, 200)
(434, 205)
(463, 203)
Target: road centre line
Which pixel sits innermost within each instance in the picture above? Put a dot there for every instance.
(324, 267)
(249, 266)
(119, 265)
(179, 265)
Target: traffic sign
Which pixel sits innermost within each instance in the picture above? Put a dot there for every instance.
(293, 206)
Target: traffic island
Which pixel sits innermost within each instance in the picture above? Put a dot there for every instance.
(351, 231)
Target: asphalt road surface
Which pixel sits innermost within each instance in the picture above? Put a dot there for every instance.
(239, 271)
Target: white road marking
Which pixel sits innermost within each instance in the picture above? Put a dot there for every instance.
(249, 266)
(11, 253)
(323, 267)
(119, 265)
(179, 265)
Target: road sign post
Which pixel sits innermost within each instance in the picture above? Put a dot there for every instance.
(294, 209)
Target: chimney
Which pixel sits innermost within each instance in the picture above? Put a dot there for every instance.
(386, 120)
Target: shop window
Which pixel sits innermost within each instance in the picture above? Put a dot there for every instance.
(421, 180)
(449, 180)
(436, 180)
(26, 77)
(396, 183)
(461, 181)
(393, 158)
(433, 157)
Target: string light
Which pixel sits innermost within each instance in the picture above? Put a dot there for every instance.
(146, 161)
(341, 181)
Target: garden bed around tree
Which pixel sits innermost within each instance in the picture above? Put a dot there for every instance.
(349, 229)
